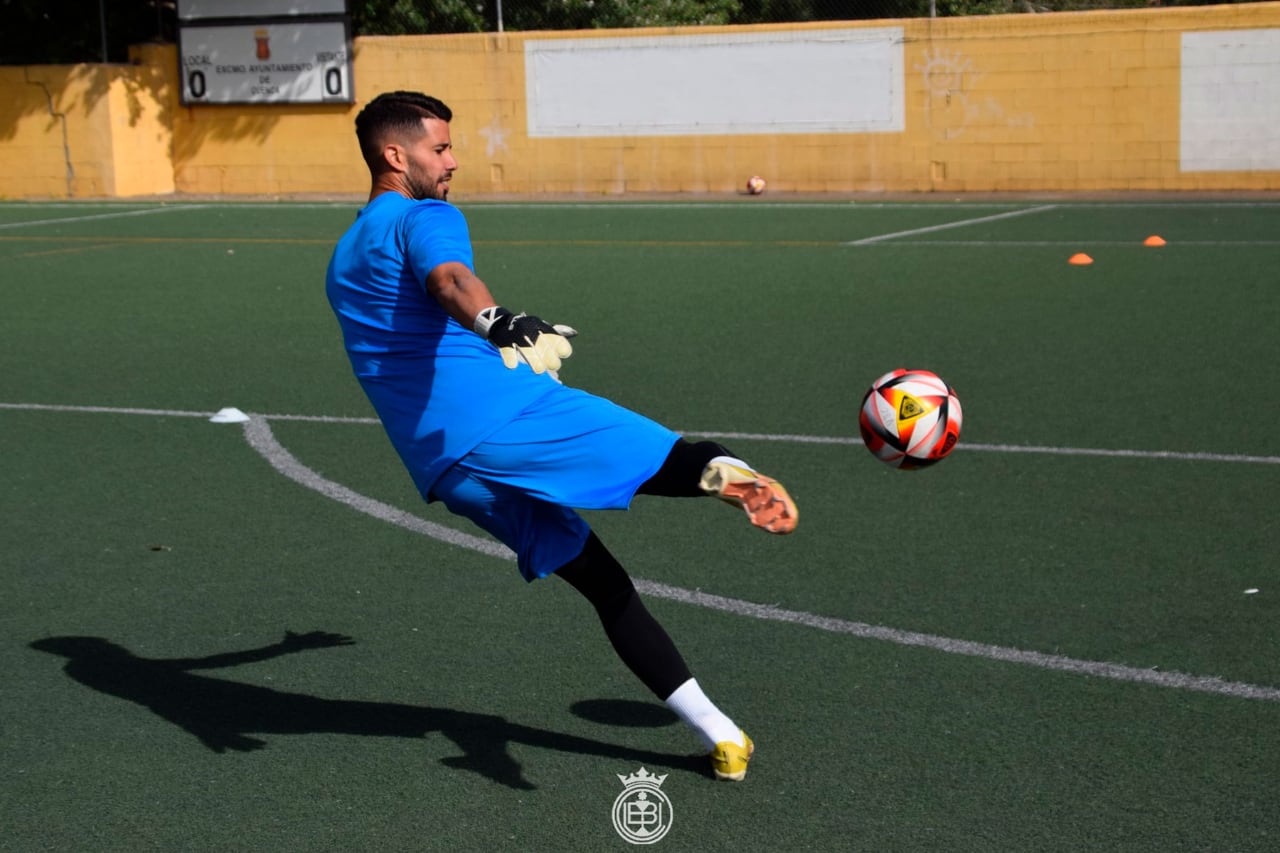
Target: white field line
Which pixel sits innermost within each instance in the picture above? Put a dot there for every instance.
(1020, 244)
(1012, 448)
(1099, 669)
(744, 205)
(65, 220)
(104, 410)
(786, 438)
(946, 225)
(258, 434)
(853, 204)
(73, 205)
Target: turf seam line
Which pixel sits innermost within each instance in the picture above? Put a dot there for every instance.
(258, 434)
(929, 229)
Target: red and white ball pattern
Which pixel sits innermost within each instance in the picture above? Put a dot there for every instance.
(755, 185)
(910, 418)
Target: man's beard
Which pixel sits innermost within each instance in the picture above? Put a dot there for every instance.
(423, 189)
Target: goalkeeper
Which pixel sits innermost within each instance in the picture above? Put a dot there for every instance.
(468, 394)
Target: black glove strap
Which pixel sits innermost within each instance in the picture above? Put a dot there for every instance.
(487, 319)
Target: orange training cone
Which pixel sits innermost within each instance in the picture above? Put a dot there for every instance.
(1154, 240)
(1080, 259)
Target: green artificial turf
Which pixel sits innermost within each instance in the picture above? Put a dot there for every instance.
(468, 710)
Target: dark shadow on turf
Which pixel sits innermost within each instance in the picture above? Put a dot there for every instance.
(624, 712)
(223, 713)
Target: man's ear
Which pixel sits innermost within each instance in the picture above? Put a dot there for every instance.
(394, 156)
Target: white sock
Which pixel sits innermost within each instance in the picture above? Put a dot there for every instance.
(732, 460)
(707, 721)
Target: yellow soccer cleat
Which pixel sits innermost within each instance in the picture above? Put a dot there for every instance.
(764, 500)
(729, 760)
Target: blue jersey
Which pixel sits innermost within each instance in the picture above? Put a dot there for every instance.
(438, 387)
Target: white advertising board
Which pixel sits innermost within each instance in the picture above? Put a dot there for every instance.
(277, 62)
(1230, 101)
(817, 81)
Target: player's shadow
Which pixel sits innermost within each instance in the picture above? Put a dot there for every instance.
(224, 714)
(624, 712)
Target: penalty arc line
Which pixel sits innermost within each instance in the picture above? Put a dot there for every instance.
(258, 434)
(261, 439)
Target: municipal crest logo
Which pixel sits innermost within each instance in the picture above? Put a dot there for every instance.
(642, 813)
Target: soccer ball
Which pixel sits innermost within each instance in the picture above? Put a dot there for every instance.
(755, 185)
(910, 418)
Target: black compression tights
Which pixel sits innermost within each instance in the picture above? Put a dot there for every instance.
(636, 636)
(679, 475)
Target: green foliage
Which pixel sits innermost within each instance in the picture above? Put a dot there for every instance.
(415, 17)
(56, 32)
(959, 8)
(607, 14)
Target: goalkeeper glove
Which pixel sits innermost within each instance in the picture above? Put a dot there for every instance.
(520, 337)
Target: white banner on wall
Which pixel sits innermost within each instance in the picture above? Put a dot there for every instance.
(1230, 101)
(815, 81)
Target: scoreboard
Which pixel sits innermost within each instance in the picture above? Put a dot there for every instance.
(287, 62)
(194, 10)
(285, 54)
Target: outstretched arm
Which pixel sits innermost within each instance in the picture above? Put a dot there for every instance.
(459, 292)
(291, 643)
(518, 337)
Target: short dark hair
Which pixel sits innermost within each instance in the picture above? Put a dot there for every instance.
(395, 112)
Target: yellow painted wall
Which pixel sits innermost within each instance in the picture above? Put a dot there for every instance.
(48, 118)
(1055, 102)
(1086, 101)
(31, 152)
(84, 131)
(141, 120)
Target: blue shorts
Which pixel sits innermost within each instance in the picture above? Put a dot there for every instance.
(571, 450)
